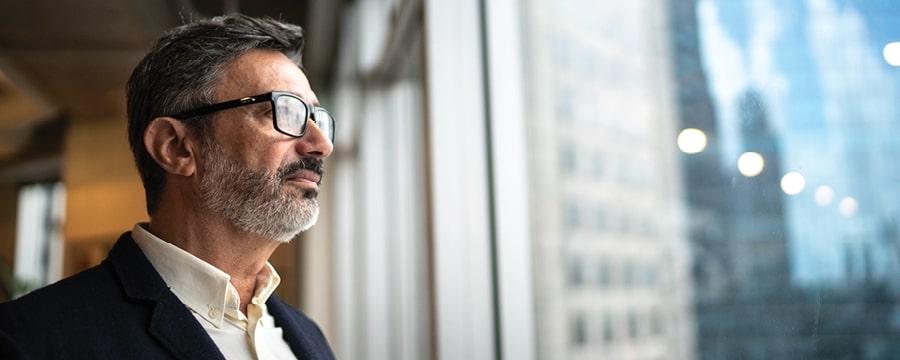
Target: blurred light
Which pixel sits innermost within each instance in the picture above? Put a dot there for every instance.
(848, 206)
(792, 183)
(824, 195)
(691, 141)
(751, 164)
(892, 53)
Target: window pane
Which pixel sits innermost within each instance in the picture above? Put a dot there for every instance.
(727, 178)
(38, 236)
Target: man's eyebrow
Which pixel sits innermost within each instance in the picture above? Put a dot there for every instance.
(314, 101)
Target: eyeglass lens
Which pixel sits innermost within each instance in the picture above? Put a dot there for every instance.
(325, 123)
(291, 116)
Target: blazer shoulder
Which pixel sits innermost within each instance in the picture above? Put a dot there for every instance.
(96, 282)
(39, 321)
(101, 288)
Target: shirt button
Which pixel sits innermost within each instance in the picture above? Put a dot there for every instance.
(213, 313)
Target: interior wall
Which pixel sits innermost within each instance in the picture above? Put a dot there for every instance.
(8, 202)
(104, 195)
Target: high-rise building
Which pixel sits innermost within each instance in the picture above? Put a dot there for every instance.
(611, 259)
(766, 225)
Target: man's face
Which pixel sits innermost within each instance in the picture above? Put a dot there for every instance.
(258, 179)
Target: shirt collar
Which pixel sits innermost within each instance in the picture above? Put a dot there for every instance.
(201, 286)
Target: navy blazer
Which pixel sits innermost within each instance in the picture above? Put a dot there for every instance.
(122, 309)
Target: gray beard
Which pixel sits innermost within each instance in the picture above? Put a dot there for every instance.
(255, 201)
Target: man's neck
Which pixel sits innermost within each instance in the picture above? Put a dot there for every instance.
(241, 255)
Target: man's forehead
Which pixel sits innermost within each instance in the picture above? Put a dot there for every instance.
(262, 71)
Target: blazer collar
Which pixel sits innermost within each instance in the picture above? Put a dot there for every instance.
(171, 323)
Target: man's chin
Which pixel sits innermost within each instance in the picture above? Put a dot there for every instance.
(308, 217)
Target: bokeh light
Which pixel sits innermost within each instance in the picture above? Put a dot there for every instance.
(892, 53)
(691, 141)
(848, 206)
(792, 183)
(751, 164)
(824, 195)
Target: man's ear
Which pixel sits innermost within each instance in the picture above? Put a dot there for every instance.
(167, 141)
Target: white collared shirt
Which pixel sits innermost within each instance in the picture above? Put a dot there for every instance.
(215, 303)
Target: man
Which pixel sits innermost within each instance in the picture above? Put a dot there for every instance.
(229, 141)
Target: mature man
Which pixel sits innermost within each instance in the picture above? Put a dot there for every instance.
(229, 141)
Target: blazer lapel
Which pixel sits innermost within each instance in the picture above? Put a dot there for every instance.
(172, 324)
(179, 332)
(304, 338)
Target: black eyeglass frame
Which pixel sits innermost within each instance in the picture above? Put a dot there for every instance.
(256, 99)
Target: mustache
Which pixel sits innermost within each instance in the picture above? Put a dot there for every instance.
(315, 165)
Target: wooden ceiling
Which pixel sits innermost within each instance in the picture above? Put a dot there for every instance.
(68, 60)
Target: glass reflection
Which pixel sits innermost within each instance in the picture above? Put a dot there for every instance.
(803, 96)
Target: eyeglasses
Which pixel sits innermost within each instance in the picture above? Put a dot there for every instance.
(290, 113)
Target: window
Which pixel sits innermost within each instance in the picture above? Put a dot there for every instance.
(633, 324)
(628, 273)
(579, 330)
(656, 323)
(609, 334)
(39, 236)
(569, 159)
(573, 215)
(576, 271)
(790, 202)
(736, 157)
